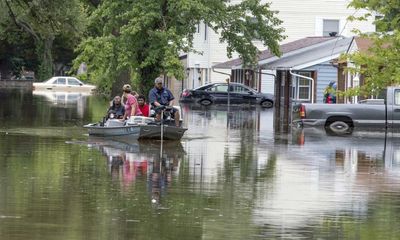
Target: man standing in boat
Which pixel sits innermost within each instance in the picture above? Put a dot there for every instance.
(160, 96)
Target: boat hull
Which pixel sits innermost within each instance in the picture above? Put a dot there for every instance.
(137, 131)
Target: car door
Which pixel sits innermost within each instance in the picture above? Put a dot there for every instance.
(242, 95)
(73, 84)
(218, 93)
(60, 84)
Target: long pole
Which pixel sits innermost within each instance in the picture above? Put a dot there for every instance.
(162, 133)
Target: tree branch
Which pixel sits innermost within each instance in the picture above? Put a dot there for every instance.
(21, 24)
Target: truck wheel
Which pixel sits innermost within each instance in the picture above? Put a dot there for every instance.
(340, 127)
(205, 102)
(267, 104)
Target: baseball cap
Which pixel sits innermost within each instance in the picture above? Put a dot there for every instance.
(127, 87)
(158, 80)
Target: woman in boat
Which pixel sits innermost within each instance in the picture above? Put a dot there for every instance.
(131, 104)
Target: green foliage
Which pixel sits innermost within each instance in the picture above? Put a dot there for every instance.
(44, 22)
(147, 37)
(379, 65)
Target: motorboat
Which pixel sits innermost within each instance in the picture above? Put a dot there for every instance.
(137, 127)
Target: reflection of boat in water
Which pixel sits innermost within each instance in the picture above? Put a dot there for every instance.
(136, 128)
(61, 97)
(155, 161)
(118, 145)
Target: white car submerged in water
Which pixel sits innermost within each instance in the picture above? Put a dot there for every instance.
(63, 84)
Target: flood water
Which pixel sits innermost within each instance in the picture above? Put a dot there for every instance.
(228, 178)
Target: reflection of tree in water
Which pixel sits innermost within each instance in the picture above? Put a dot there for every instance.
(17, 105)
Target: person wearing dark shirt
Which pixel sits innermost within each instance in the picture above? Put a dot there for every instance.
(161, 96)
(116, 108)
(143, 106)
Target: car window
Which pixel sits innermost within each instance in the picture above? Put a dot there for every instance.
(61, 81)
(239, 89)
(397, 97)
(73, 81)
(218, 88)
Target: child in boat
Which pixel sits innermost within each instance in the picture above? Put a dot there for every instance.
(143, 106)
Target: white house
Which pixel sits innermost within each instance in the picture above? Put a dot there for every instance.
(300, 19)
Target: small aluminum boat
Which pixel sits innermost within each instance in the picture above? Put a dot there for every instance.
(136, 128)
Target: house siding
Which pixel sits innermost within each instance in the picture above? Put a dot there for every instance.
(300, 19)
(267, 81)
(325, 73)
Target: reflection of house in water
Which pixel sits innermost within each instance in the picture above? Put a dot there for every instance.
(353, 152)
(218, 137)
(238, 117)
(322, 177)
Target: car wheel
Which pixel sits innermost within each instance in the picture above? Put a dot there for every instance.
(340, 127)
(205, 102)
(267, 104)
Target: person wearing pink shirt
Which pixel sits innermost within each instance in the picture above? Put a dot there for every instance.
(131, 104)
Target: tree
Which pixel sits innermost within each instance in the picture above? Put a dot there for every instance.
(141, 39)
(45, 21)
(379, 65)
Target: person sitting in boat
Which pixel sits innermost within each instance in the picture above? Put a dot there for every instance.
(131, 104)
(117, 109)
(143, 106)
(160, 97)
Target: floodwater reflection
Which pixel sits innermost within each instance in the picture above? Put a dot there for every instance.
(229, 177)
(325, 180)
(152, 161)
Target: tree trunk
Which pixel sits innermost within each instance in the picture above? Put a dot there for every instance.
(146, 82)
(124, 77)
(44, 51)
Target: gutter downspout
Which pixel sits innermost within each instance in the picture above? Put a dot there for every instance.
(309, 78)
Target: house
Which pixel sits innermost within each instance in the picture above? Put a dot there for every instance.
(300, 19)
(346, 79)
(308, 61)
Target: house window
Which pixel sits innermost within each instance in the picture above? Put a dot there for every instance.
(304, 89)
(301, 87)
(330, 27)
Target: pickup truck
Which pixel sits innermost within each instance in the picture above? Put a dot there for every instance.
(343, 118)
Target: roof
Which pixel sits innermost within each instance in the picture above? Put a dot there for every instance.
(317, 54)
(363, 44)
(284, 48)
